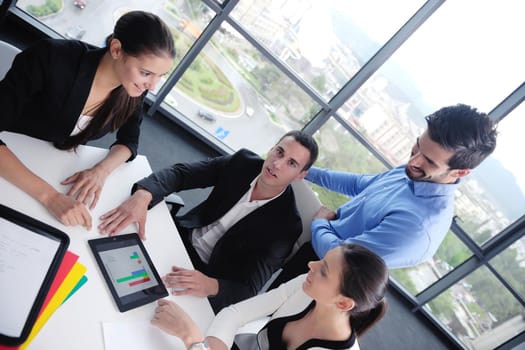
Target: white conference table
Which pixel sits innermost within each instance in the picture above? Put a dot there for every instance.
(80, 322)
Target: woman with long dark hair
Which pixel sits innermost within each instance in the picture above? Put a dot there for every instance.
(69, 92)
(340, 298)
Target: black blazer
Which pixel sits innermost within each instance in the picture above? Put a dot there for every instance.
(252, 249)
(43, 93)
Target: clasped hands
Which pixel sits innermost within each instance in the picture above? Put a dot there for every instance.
(325, 213)
(190, 282)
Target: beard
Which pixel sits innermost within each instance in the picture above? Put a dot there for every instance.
(423, 176)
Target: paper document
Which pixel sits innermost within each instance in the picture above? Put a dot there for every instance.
(138, 335)
(25, 258)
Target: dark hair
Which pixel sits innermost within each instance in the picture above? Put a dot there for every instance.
(142, 33)
(365, 279)
(307, 142)
(462, 129)
(139, 33)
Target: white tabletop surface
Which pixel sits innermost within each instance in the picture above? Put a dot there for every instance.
(78, 323)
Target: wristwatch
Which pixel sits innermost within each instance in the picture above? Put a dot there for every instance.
(202, 345)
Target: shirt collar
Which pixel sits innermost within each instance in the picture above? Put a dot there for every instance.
(248, 194)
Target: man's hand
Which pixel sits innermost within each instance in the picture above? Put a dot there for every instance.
(190, 282)
(325, 213)
(173, 320)
(87, 185)
(133, 210)
(68, 210)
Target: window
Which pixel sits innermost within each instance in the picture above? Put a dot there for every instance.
(241, 92)
(339, 150)
(326, 42)
(451, 253)
(511, 265)
(479, 311)
(506, 175)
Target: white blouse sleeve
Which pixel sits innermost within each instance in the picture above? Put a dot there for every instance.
(233, 317)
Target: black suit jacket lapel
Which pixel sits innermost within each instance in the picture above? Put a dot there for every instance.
(80, 89)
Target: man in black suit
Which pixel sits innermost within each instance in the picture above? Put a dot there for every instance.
(242, 232)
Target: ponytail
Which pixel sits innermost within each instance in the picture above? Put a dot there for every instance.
(363, 321)
(365, 279)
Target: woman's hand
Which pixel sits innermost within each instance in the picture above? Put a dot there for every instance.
(87, 185)
(173, 320)
(68, 210)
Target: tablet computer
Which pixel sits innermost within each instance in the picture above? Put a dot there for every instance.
(128, 270)
(30, 255)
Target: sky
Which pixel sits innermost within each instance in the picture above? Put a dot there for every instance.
(510, 144)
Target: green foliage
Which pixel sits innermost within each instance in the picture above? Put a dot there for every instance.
(452, 250)
(46, 9)
(206, 81)
(484, 286)
(341, 151)
(508, 265)
(402, 277)
(443, 305)
(319, 83)
(471, 226)
(196, 65)
(330, 199)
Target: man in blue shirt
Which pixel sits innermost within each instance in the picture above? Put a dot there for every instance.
(404, 213)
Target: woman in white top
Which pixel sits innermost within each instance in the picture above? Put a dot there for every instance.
(340, 298)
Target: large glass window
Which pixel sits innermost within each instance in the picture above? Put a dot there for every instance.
(339, 150)
(504, 174)
(511, 265)
(324, 42)
(234, 93)
(479, 311)
(451, 253)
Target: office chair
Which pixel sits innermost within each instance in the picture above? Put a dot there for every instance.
(307, 205)
(7, 55)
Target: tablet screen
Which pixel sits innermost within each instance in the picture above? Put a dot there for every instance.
(128, 270)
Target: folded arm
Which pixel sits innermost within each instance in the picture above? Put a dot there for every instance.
(401, 240)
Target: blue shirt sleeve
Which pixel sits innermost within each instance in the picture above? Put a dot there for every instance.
(323, 237)
(400, 240)
(342, 182)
